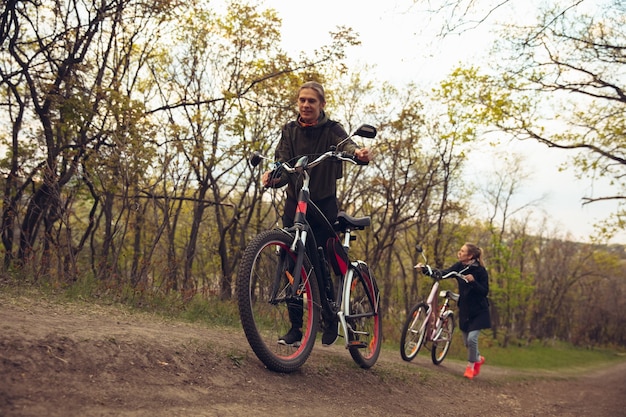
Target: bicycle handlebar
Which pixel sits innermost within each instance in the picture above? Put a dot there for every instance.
(454, 274)
(303, 162)
(436, 274)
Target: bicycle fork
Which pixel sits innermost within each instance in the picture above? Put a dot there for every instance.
(432, 313)
(345, 305)
(345, 313)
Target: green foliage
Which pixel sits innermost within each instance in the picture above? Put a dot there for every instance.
(569, 64)
(85, 288)
(211, 311)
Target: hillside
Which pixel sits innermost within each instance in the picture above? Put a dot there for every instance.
(90, 360)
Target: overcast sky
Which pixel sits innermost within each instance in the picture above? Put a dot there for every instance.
(400, 40)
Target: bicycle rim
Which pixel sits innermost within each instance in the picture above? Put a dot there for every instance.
(413, 332)
(442, 343)
(364, 322)
(263, 291)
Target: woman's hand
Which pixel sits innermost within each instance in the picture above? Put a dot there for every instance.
(268, 179)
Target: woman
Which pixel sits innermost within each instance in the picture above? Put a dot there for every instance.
(473, 303)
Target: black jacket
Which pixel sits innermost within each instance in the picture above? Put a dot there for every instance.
(312, 141)
(473, 302)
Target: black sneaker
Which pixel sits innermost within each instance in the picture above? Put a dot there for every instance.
(331, 332)
(292, 338)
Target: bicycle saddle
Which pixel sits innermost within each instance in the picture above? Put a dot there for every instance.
(345, 221)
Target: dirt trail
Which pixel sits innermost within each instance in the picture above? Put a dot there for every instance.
(80, 360)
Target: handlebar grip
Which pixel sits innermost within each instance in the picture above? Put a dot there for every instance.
(276, 173)
(434, 273)
(353, 157)
(347, 155)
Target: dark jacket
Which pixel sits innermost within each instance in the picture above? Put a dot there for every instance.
(473, 303)
(312, 141)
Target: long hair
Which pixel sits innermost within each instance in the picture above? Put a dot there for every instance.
(315, 86)
(476, 253)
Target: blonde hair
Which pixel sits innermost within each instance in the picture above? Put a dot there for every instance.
(475, 252)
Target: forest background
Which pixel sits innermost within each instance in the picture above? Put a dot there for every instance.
(127, 126)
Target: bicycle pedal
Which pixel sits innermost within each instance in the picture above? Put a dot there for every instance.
(357, 344)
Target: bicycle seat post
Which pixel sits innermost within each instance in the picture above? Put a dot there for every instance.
(346, 240)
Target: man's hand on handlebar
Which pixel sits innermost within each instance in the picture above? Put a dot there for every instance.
(363, 154)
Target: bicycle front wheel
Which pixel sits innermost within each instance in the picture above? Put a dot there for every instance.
(443, 338)
(365, 331)
(413, 332)
(267, 306)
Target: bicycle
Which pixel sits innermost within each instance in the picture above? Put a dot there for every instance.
(429, 323)
(285, 267)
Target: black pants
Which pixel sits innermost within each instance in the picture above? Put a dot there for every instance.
(330, 208)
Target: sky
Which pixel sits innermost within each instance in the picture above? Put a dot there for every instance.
(399, 40)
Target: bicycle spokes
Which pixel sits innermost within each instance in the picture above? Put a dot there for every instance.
(414, 332)
(443, 339)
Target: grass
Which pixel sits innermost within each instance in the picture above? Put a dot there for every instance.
(550, 355)
(214, 312)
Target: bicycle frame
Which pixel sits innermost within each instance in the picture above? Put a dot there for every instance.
(432, 321)
(303, 239)
(435, 314)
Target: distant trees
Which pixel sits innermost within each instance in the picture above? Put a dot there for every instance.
(564, 72)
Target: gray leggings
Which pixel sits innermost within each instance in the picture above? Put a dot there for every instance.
(471, 343)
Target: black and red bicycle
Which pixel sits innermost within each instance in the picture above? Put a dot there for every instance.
(286, 267)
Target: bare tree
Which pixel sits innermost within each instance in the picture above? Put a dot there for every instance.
(572, 60)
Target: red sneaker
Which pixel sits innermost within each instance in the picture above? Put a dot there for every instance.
(469, 372)
(478, 364)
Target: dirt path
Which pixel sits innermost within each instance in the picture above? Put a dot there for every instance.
(73, 360)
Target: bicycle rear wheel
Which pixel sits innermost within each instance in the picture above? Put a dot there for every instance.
(365, 331)
(443, 338)
(414, 332)
(264, 296)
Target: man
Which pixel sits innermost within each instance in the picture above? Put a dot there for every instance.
(312, 133)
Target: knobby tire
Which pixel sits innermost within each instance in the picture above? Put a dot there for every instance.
(265, 269)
